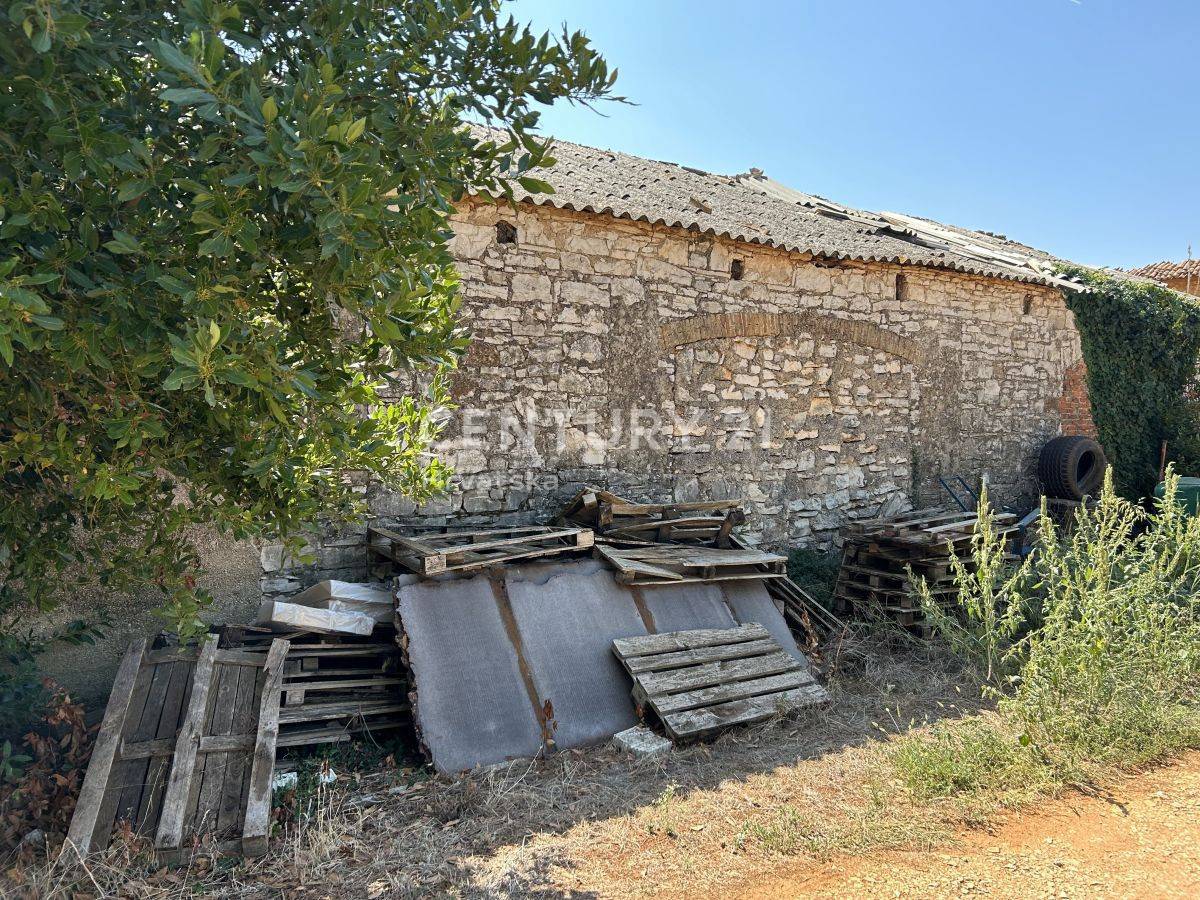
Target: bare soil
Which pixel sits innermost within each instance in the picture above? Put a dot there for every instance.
(1140, 838)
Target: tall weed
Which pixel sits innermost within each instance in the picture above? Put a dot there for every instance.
(1091, 647)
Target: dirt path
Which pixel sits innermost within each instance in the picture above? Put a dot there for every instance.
(1142, 839)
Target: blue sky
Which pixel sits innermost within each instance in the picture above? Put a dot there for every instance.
(1072, 126)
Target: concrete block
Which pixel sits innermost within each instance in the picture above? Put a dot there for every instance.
(641, 741)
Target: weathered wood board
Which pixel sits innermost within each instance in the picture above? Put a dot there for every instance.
(701, 682)
(679, 564)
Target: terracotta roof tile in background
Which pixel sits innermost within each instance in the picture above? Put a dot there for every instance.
(1161, 271)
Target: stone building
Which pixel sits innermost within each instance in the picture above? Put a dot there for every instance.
(670, 333)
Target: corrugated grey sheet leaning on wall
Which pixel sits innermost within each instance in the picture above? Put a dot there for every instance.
(514, 666)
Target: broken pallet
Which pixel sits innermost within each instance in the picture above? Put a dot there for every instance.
(185, 750)
(701, 682)
(676, 564)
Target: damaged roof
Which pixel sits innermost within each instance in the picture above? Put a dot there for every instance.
(755, 209)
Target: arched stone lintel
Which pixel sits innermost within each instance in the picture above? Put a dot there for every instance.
(757, 324)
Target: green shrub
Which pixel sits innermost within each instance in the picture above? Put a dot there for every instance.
(1106, 674)
(816, 571)
(1112, 673)
(1141, 342)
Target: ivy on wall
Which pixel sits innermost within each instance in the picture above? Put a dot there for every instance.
(1141, 344)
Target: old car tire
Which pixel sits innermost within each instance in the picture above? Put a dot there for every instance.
(1071, 467)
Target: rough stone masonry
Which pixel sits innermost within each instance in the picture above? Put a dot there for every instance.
(664, 363)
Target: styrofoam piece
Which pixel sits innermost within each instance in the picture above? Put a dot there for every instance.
(471, 705)
(750, 602)
(346, 596)
(682, 607)
(641, 741)
(324, 591)
(568, 614)
(312, 618)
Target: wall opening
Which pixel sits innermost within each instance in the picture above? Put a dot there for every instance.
(737, 269)
(1027, 305)
(506, 233)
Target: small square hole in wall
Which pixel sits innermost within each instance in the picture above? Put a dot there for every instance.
(506, 233)
(737, 269)
(1027, 305)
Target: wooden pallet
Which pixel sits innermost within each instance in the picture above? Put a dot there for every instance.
(464, 551)
(674, 564)
(700, 682)
(337, 687)
(185, 750)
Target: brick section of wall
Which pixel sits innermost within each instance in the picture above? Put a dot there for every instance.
(1075, 406)
(819, 392)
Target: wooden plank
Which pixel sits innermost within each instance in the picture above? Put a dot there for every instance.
(219, 743)
(179, 784)
(229, 816)
(171, 654)
(241, 658)
(646, 644)
(342, 709)
(257, 819)
(625, 508)
(671, 554)
(159, 768)
(704, 579)
(343, 684)
(95, 783)
(633, 567)
(694, 723)
(132, 776)
(737, 690)
(693, 678)
(213, 763)
(660, 662)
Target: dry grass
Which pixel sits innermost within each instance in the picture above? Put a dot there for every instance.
(597, 823)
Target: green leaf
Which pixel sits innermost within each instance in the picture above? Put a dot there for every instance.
(131, 190)
(187, 96)
(354, 132)
(174, 57)
(535, 185)
(269, 110)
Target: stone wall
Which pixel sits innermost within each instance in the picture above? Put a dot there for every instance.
(627, 355)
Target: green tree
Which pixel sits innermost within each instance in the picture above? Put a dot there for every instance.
(223, 232)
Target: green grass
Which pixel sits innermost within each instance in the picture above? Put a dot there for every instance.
(970, 759)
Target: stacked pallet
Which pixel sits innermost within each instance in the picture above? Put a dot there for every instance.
(336, 688)
(878, 554)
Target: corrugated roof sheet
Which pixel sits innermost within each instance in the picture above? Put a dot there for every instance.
(1161, 271)
(757, 210)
